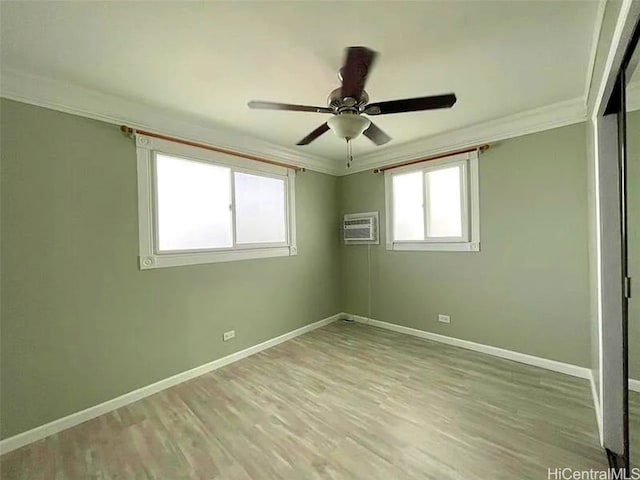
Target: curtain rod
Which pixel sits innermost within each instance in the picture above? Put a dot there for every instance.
(480, 148)
(132, 131)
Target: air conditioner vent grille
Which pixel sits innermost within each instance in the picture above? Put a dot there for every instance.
(363, 221)
(360, 228)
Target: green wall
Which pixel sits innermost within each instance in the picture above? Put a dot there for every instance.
(81, 323)
(527, 290)
(633, 219)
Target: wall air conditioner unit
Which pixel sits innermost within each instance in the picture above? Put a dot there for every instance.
(360, 228)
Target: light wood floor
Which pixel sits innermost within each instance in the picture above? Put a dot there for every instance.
(347, 401)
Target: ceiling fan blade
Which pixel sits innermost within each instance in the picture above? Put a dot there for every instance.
(313, 135)
(358, 62)
(376, 135)
(259, 104)
(411, 104)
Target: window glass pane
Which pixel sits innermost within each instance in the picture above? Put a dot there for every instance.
(408, 211)
(260, 209)
(193, 204)
(444, 217)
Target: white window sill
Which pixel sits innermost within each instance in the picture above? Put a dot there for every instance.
(177, 259)
(435, 247)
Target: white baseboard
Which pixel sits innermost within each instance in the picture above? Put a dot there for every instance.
(567, 368)
(596, 406)
(38, 433)
(77, 418)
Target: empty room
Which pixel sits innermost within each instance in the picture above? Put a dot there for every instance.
(320, 240)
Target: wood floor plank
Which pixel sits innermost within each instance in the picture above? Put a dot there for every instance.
(347, 401)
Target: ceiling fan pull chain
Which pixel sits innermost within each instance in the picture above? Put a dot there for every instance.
(349, 153)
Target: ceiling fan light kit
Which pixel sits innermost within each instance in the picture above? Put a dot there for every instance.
(348, 103)
(348, 125)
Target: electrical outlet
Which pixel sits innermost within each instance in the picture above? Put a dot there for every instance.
(228, 335)
(444, 318)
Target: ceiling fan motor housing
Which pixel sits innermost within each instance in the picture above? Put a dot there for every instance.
(339, 103)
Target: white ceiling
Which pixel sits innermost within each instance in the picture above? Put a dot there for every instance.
(207, 59)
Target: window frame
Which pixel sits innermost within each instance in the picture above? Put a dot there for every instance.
(150, 257)
(469, 241)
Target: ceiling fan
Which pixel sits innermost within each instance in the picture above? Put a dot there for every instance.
(348, 102)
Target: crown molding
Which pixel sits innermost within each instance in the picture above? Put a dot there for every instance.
(77, 100)
(532, 121)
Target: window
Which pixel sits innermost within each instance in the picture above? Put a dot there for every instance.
(193, 205)
(197, 206)
(434, 205)
(260, 209)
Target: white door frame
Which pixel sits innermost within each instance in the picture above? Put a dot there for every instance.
(608, 268)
